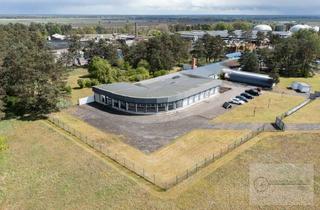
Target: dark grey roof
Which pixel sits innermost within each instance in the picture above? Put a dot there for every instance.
(168, 88)
(208, 70)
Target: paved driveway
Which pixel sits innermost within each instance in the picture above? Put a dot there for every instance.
(149, 133)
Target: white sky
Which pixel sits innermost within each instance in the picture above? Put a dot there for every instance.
(250, 7)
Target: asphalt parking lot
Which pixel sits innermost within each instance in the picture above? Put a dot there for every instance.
(150, 132)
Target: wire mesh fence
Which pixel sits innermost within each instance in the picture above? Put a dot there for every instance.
(142, 172)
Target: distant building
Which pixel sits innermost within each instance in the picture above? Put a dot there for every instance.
(299, 27)
(235, 55)
(262, 28)
(58, 37)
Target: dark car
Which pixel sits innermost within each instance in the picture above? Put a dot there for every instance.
(247, 96)
(227, 105)
(252, 92)
(242, 98)
(258, 89)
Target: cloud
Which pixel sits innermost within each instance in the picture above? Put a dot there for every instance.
(306, 7)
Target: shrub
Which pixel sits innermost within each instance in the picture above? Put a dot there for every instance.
(68, 89)
(3, 144)
(94, 82)
(87, 83)
(81, 83)
(160, 73)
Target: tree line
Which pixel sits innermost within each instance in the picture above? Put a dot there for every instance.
(115, 61)
(287, 57)
(31, 82)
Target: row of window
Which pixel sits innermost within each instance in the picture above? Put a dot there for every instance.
(153, 108)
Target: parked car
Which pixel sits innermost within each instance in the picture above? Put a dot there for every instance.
(242, 98)
(236, 101)
(252, 92)
(247, 96)
(258, 89)
(227, 105)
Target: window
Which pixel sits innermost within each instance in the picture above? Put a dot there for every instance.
(115, 103)
(141, 107)
(103, 99)
(132, 107)
(161, 107)
(123, 105)
(151, 108)
(108, 100)
(179, 104)
(170, 106)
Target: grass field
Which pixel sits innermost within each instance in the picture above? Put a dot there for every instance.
(286, 82)
(266, 107)
(172, 160)
(43, 169)
(78, 93)
(308, 114)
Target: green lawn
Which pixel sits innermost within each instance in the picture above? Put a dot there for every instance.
(308, 114)
(78, 93)
(262, 109)
(43, 169)
(313, 81)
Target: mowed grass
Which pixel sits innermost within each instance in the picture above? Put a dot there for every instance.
(308, 114)
(262, 109)
(171, 161)
(286, 82)
(43, 169)
(78, 93)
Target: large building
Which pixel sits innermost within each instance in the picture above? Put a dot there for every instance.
(161, 94)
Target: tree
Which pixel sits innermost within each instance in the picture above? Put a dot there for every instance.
(198, 50)
(295, 55)
(209, 47)
(101, 70)
(74, 48)
(223, 26)
(33, 83)
(261, 36)
(241, 25)
(102, 49)
(144, 64)
(249, 62)
(161, 52)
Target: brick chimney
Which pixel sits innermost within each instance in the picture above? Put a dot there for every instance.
(194, 63)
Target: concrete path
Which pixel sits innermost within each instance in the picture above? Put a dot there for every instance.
(303, 127)
(242, 126)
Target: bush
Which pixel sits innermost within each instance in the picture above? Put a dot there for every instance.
(3, 144)
(160, 73)
(81, 83)
(87, 83)
(68, 89)
(94, 82)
